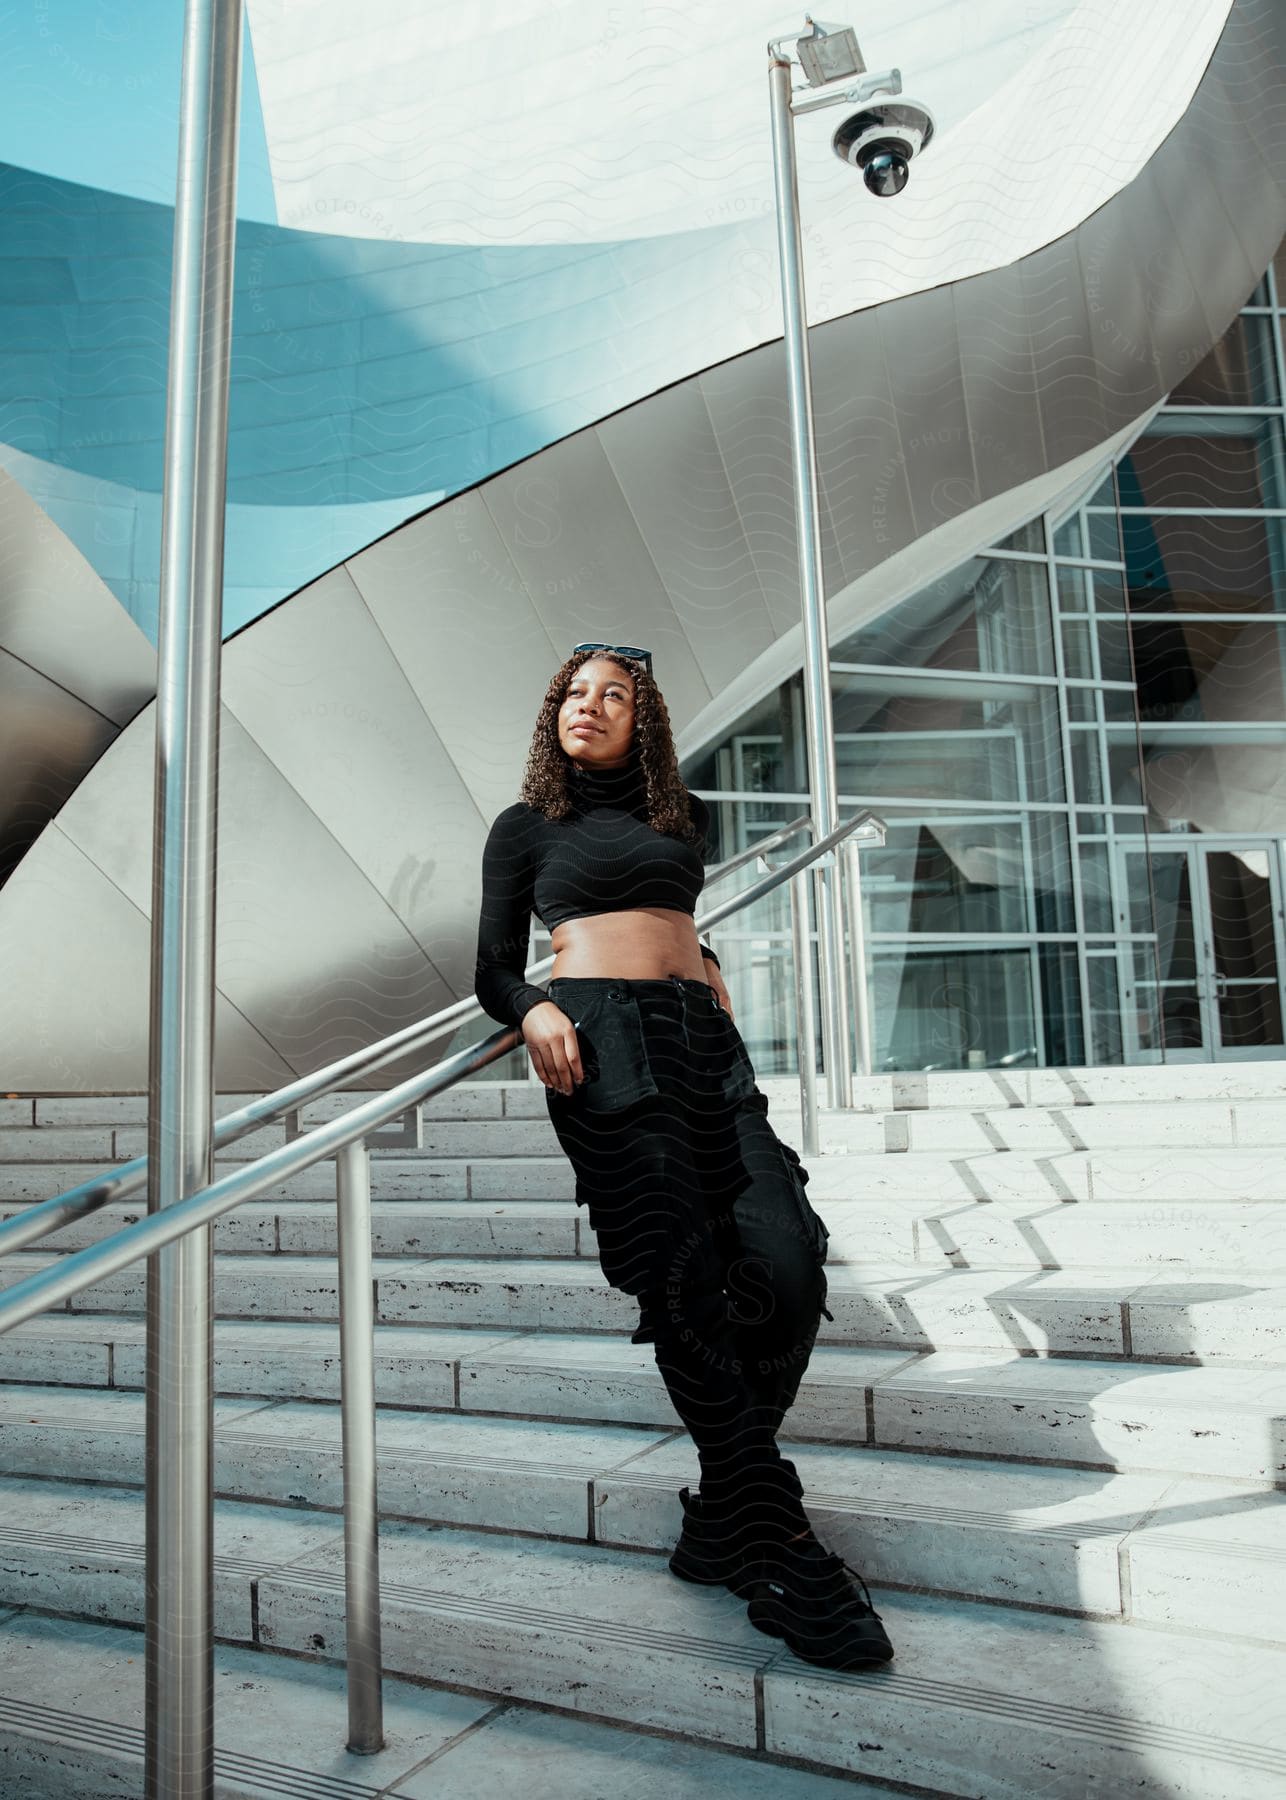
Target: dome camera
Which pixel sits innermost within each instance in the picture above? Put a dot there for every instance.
(881, 140)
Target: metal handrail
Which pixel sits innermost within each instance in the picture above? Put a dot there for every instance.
(344, 1138)
(246, 1183)
(41, 1221)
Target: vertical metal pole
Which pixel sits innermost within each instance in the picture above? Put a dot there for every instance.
(820, 725)
(805, 1012)
(357, 1412)
(857, 955)
(179, 1726)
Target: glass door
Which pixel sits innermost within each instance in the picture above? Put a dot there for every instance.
(1242, 893)
(1208, 986)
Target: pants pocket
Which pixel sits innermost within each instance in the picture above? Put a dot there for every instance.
(609, 1032)
(816, 1235)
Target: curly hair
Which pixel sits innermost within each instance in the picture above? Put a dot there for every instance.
(546, 781)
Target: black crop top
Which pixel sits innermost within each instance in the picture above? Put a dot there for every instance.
(604, 857)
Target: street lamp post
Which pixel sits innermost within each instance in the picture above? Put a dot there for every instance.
(880, 139)
(818, 717)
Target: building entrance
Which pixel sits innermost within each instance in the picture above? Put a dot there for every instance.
(1206, 985)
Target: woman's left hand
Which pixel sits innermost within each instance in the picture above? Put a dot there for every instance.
(715, 978)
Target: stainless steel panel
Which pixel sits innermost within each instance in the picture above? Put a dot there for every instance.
(916, 341)
(58, 616)
(667, 461)
(307, 949)
(48, 738)
(74, 958)
(998, 369)
(747, 404)
(1113, 251)
(1074, 410)
(466, 636)
(1191, 224)
(318, 688)
(569, 532)
(859, 450)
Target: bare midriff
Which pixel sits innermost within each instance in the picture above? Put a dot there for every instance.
(642, 944)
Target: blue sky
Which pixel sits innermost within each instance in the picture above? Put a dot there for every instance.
(89, 91)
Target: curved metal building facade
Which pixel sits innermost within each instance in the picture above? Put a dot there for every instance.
(638, 483)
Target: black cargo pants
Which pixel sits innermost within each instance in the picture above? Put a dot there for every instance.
(699, 1211)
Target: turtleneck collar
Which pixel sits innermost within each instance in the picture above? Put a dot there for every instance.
(623, 787)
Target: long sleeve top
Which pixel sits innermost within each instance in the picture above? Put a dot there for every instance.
(604, 858)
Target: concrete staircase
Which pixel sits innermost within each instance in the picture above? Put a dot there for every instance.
(1048, 1423)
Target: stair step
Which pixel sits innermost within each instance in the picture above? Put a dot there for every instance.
(413, 1366)
(1207, 1125)
(474, 1100)
(1156, 1176)
(1224, 1421)
(399, 1227)
(1161, 1176)
(1052, 1537)
(991, 1090)
(1211, 1421)
(1244, 1238)
(1000, 1090)
(280, 1726)
(1070, 1705)
(905, 1305)
(1175, 1236)
(1216, 1420)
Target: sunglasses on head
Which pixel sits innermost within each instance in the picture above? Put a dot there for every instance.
(631, 650)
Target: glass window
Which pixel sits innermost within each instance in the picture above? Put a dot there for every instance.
(1087, 767)
(1205, 564)
(954, 1008)
(950, 875)
(1029, 537)
(1104, 536)
(990, 615)
(1078, 653)
(1074, 590)
(1069, 538)
(1081, 709)
(1224, 670)
(1050, 856)
(1109, 591)
(1114, 662)
(939, 739)
(1105, 1011)
(1060, 1006)
(1097, 895)
(1239, 371)
(1118, 705)
(1124, 770)
(944, 875)
(1181, 461)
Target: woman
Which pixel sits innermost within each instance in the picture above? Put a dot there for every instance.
(699, 1209)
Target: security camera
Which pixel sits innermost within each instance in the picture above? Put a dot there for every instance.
(881, 140)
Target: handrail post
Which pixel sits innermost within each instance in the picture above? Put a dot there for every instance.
(857, 955)
(179, 1560)
(357, 1413)
(805, 1012)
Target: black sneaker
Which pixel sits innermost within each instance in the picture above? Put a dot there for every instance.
(709, 1551)
(804, 1595)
